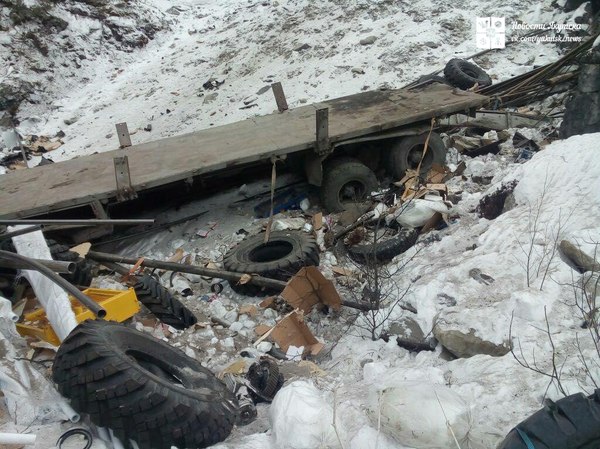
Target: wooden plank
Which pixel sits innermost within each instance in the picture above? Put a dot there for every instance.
(86, 179)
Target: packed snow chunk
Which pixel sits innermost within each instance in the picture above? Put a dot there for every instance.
(421, 415)
(302, 418)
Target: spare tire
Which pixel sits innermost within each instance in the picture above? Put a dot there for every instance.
(346, 180)
(569, 423)
(384, 250)
(464, 74)
(142, 388)
(407, 153)
(162, 304)
(280, 258)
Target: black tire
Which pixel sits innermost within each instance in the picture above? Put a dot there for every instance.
(407, 152)
(162, 304)
(464, 74)
(142, 388)
(385, 250)
(280, 258)
(569, 423)
(346, 180)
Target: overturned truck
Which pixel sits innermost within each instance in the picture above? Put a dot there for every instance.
(339, 144)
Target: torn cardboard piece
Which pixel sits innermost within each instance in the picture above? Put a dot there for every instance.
(309, 288)
(293, 331)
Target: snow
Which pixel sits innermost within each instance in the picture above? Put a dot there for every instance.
(248, 45)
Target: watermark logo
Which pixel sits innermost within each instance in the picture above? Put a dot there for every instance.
(491, 32)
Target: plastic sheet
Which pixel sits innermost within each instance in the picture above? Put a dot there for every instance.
(6, 310)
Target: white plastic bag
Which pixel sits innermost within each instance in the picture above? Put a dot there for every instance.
(302, 418)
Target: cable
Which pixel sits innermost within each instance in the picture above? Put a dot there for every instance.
(76, 431)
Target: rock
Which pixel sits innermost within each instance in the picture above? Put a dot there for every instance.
(70, 121)
(210, 98)
(264, 346)
(368, 40)
(263, 90)
(408, 328)
(173, 10)
(358, 71)
(148, 127)
(302, 47)
(212, 84)
(431, 44)
(6, 120)
(236, 327)
(577, 259)
(451, 331)
(228, 343)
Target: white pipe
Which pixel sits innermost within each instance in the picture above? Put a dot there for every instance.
(17, 438)
(68, 410)
(6, 310)
(54, 299)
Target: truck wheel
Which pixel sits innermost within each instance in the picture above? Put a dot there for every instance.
(385, 250)
(142, 388)
(408, 151)
(346, 180)
(464, 74)
(162, 304)
(569, 423)
(280, 258)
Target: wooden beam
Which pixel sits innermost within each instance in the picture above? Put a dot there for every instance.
(279, 96)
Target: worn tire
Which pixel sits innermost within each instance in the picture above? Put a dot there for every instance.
(280, 258)
(569, 423)
(342, 175)
(386, 250)
(464, 74)
(82, 276)
(142, 388)
(162, 304)
(406, 153)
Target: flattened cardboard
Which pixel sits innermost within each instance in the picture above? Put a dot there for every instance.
(308, 288)
(293, 331)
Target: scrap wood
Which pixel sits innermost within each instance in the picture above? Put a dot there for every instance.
(309, 288)
(317, 221)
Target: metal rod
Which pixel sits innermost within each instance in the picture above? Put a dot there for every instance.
(18, 232)
(109, 261)
(84, 222)
(88, 302)
(192, 269)
(58, 266)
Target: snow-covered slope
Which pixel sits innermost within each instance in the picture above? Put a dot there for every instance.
(313, 48)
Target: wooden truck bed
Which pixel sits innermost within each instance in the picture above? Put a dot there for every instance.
(77, 182)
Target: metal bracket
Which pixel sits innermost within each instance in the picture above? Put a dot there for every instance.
(323, 145)
(123, 134)
(279, 97)
(124, 189)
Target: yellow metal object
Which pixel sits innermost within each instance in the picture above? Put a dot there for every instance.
(119, 305)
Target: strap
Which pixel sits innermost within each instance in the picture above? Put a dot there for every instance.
(525, 439)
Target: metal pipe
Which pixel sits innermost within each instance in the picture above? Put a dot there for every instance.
(88, 302)
(58, 266)
(18, 232)
(84, 222)
(110, 262)
(192, 269)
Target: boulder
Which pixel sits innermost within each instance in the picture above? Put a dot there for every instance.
(455, 332)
